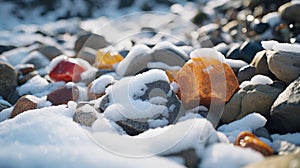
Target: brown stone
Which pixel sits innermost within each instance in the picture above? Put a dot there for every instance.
(249, 140)
(63, 95)
(204, 80)
(25, 103)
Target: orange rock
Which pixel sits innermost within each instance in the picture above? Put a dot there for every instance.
(249, 140)
(203, 80)
(106, 60)
(24, 103)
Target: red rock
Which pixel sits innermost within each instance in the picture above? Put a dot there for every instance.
(67, 71)
(249, 140)
(25, 103)
(205, 79)
(63, 95)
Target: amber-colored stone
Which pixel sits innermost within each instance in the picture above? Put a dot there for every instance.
(106, 60)
(249, 140)
(204, 80)
(24, 103)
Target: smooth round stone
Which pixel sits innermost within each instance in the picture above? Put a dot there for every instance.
(249, 49)
(284, 65)
(8, 80)
(290, 11)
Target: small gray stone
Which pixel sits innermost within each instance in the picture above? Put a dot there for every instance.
(37, 59)
(8, 80)
(132, 127)
(85, 115)
(284, 65)
(285, 112)
(246, 73)
(260, 63)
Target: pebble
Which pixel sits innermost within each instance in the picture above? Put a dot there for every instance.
(8, 80)
(284, 113)
(85, 115)
(284, 65)
(260, 63)
(63, 95)
(49, 51)
(25, 103)
(246, 73)
(248, 50)
(242, 102)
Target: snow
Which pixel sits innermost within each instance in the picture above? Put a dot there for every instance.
(38, 86)
(268, 45)
(228, 155)
(257, 79)
(43, 61)
(208, 52)
(161, 65)
(5, 114)
(99, 85)
(157, 123)
(4, 102)
(52, 139)
(235, 63)
(276, 46)
(124, 93)
(293, 138)
(136, 51)
(249, 123)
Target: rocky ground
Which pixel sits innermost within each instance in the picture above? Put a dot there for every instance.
(194, 84)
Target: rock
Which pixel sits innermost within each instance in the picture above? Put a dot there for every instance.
(90, 40)
(260, 63)
(289, 10)
(246, 73)
(63, 95)
(291, 160)
(125, 3)
(169, 54)
(87, 54)
(156, 95)
(285, 114)
(4, 48)
(25, 103)
(252, 98)
(49, 51)
(189, 156)
(24, 78)
(248, 140)
(67, 70)
(201, 82)
(140, 55)
(97, 88)
(4, 104)
(132, 127)
(260, 27)
(284, 65)
(85, 115)
(136, 60)
(232, 25)
(249, 49)
(8, 80)
(107, 59)
(234, 53)
(25, 69)
(37, 59)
